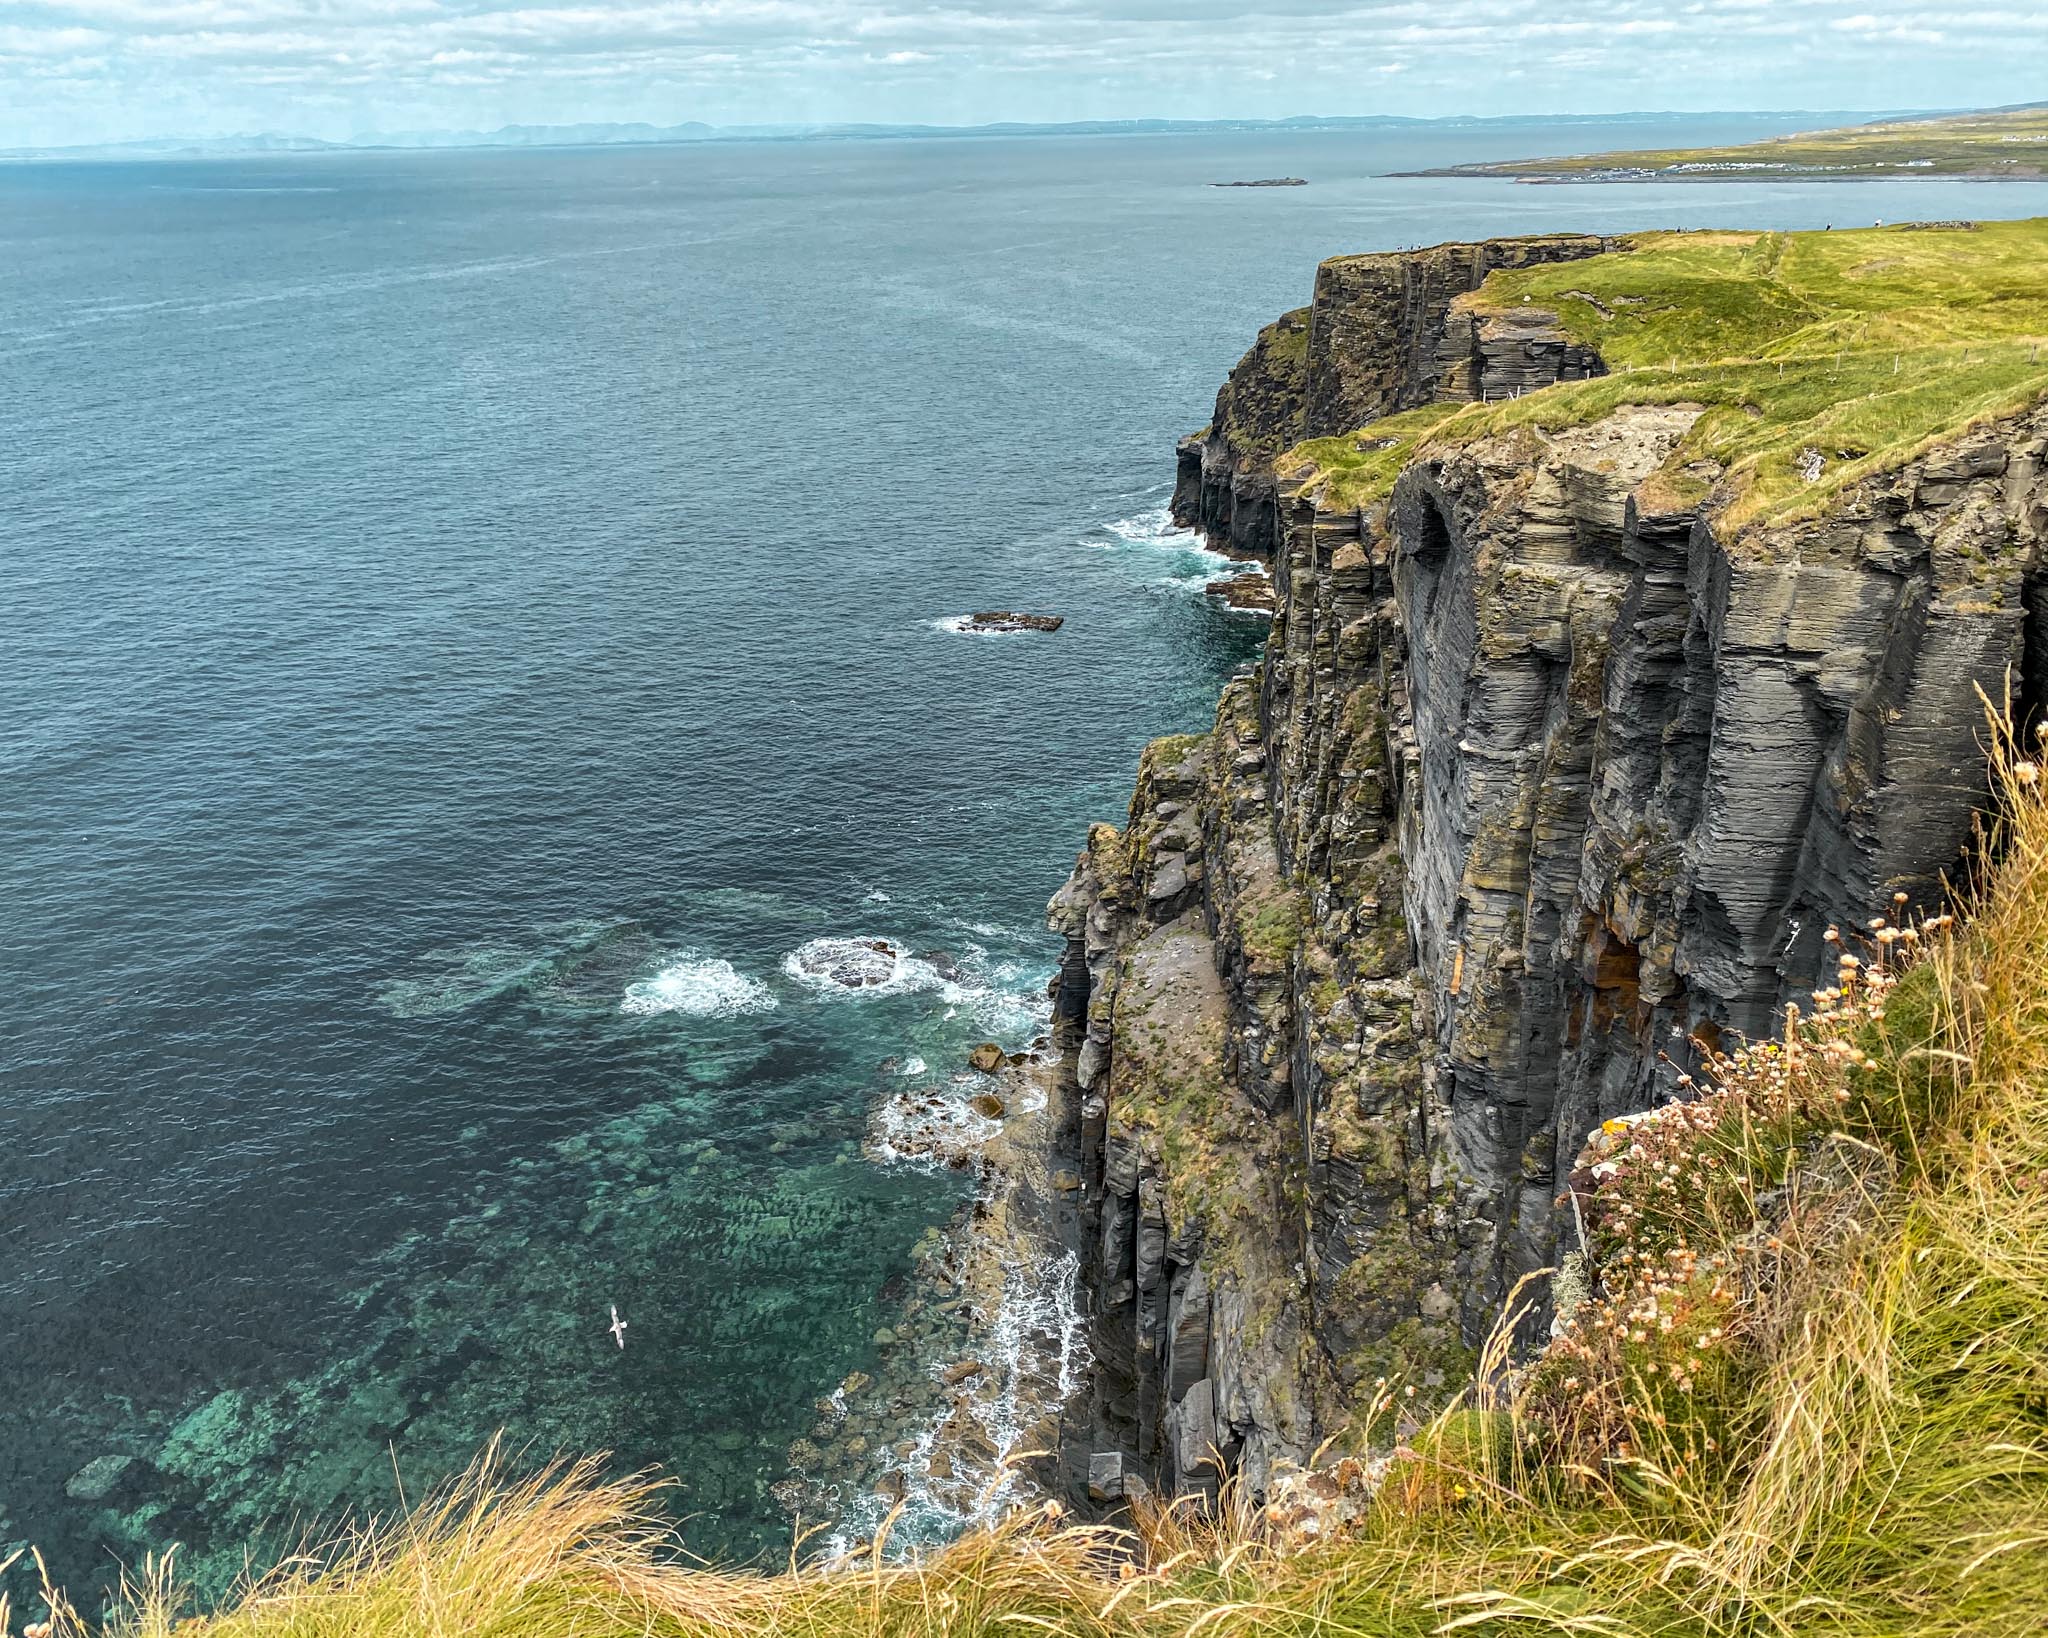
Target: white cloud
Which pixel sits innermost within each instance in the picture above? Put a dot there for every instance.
(135, 67)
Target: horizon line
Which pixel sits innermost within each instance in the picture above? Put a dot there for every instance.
(686, 132)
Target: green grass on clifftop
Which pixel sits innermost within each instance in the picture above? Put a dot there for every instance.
(1859, 348)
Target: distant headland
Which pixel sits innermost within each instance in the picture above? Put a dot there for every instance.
(1990, 145)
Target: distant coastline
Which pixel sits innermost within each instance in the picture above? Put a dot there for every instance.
(646, 135)
(1991, 144)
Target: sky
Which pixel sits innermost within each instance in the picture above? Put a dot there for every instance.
(81, 71)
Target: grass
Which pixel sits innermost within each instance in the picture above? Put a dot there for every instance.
(1357, 469)
(1869, 1360)
(1856, 350)
(1996, 143)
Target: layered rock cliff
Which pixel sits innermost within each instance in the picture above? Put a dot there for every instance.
(1551, 774)
(1379, 337)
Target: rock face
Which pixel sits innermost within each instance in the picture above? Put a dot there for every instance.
(1252, 592)
(1371, 343)
(1547, 778)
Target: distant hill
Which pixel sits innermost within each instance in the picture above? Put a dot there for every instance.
(1992, 143)
(606, 134)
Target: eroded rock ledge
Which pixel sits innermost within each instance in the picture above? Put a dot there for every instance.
(1545, 780)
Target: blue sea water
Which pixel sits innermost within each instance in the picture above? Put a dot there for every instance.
(469, 618)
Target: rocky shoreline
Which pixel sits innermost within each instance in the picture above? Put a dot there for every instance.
(965, 1414)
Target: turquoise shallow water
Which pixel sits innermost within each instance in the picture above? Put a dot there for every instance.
(471, 618)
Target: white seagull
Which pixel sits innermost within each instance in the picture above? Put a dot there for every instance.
(617, 1328)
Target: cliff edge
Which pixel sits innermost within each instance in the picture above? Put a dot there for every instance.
(1633, 600)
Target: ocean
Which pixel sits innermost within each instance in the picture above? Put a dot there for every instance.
(479, 628)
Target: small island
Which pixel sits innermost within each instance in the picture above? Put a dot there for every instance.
(1266, 182)
(1008, 620)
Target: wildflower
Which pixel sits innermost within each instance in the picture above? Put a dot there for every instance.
(2025, 772)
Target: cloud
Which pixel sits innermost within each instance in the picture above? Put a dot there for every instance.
(147, 67)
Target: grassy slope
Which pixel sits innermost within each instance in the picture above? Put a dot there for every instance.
(1864, 346)
(2011, 142)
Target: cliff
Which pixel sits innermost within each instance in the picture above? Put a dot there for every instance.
(1633, 601)
(1378, 338)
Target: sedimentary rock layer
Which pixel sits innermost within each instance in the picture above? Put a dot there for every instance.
(1546, 780)
(1378, 337)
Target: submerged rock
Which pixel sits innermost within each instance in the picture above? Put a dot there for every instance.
(99, 1478)
(851, 963)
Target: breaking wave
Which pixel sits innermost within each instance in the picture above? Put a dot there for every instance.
(861, 966)
(1191, 563)
(699, 986)
(929, 1127)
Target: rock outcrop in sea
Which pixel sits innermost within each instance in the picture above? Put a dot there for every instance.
(1551, 778)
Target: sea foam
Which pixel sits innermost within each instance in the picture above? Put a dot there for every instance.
(699, 986)
(1196, 563)
(861, 966)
